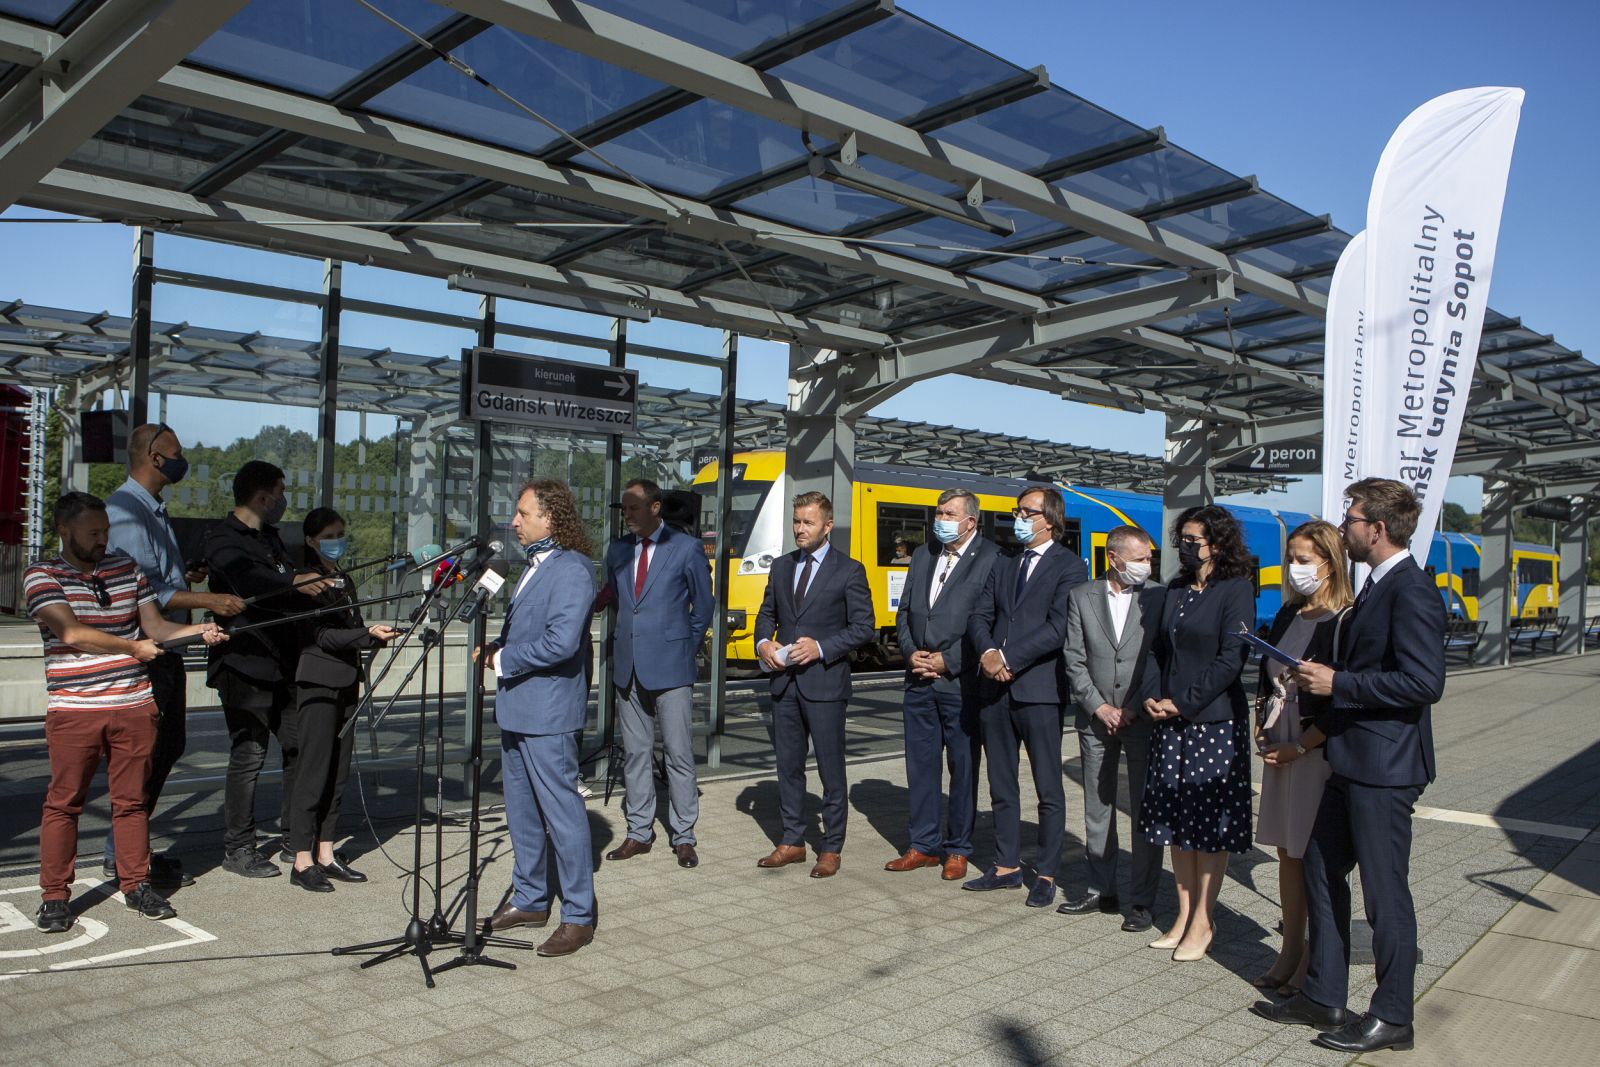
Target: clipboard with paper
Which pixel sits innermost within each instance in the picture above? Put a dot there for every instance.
(1267, 648)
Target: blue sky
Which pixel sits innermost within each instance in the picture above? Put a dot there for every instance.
(1302, 95)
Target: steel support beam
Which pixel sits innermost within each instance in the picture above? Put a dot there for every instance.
(612, 39)
(1574, 577)
(963, 351)
(821, 449)
(1496, 574)
(246, 223)
(605, 726)
(144, 253)
(1189, 483)
(90, 75)
(722, 564)
(328, 380)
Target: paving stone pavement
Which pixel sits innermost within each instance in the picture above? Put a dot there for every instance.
(727, 964)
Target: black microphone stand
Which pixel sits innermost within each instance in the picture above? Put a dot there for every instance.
(416, 938)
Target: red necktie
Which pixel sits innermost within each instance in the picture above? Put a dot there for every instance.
(643, 569)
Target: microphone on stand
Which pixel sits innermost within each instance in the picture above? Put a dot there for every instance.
(487, 585)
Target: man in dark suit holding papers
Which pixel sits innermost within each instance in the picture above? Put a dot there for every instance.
(1388, 672)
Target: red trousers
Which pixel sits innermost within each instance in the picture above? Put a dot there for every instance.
(77, 741)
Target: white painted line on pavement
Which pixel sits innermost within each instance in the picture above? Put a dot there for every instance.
(1495, 822)
(93, 930)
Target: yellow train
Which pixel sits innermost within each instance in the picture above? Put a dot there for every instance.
(894, 505)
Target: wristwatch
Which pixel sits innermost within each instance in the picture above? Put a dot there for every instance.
(1301, 749)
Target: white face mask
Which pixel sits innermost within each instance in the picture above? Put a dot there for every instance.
(1303, 578)
(1134, 573)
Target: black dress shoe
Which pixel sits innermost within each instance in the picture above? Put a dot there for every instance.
(340, 870)
(1089, 902)
(1139, 919)
(249, 863)
(687, 856)
(1368, 1034)
(1301, 1010)
(311, 879)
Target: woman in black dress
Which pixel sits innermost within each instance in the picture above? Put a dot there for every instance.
(1197, 789)
(326, 690)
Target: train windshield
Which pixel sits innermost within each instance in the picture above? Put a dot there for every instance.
(747, 500)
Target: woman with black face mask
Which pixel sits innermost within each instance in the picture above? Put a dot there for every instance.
(326, 691)
(1197, 789)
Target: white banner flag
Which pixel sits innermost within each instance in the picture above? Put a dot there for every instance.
(1345, 396)
(1433, 221)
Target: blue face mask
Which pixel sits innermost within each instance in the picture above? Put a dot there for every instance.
(1022, 529)
(946, 530)
(333, 549)
(544, 544)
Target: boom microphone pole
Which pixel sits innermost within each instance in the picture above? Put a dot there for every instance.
(179, 642)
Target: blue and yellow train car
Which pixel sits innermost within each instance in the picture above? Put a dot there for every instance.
(892, 508)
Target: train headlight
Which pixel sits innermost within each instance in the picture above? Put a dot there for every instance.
(747, 567)
(764, 563)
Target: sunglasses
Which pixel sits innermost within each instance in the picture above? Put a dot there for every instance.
(97, 586)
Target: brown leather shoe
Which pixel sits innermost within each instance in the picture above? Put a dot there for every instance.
(783, 855)
(630, 848)
(827, 865)
(509, 917)
(911, 861)
(687, 856)
(955, 868)
(568, 938)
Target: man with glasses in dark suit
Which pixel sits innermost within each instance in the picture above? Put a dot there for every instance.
(816, 611)
(1020, 623)
(1388, 673)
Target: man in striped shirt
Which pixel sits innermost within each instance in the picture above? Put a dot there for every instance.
(100, 623)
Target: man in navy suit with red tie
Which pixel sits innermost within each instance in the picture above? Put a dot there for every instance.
(1388, 673)
(816, 611)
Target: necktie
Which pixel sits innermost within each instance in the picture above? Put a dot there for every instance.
(944, 572)
(1366, 587)
(643, 570)
(805, 582)
(1022, 573)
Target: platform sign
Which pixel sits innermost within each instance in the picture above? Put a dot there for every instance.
(554, 393)
(1296, 457)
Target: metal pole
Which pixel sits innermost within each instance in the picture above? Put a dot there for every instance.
(144, 253)
(721, 566)
(605, 696)
(482, 480)
(328, 386)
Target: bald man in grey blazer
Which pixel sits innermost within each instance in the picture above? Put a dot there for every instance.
(1110, 624)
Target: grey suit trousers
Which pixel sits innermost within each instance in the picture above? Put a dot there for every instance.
(639, 711)
(1100, 750)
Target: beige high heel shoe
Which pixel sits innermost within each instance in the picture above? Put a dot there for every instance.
(1167, 942)
(1189, 955)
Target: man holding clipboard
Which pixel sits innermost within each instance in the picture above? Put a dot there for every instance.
(1389, 671)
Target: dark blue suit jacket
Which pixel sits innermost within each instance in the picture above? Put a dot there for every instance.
(656, 636)
(943, 628)
(1389, 674)
(1200, 657)
(1031, 632)
(837, 614)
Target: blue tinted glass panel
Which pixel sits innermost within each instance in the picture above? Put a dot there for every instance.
(49, 12)
(727, 27)
(1236, 220)
(1248, 305)
(897, 68)
(697, 148)
(1153, 178)
(1041, 129)
(1044, 273)
(569, 89)
(814, 204)
(312, 47)
(942, 241)
(1316, 251)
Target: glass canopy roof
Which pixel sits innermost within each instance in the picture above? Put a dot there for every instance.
(728, 187)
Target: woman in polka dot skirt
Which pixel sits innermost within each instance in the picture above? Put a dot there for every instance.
(1197, 789)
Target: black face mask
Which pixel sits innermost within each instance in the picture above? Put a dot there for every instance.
(172, 468)
(1189, 556)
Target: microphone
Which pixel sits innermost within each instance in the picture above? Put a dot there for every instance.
(434, 554)
(400, 561)
(488, 583)
(447, 573)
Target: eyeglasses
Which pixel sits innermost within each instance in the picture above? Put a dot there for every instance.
(1026, 513)
(1190, 539)
(1350, 520)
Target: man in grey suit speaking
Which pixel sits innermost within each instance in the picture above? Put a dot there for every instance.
(941, 702)
(1110, 623)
